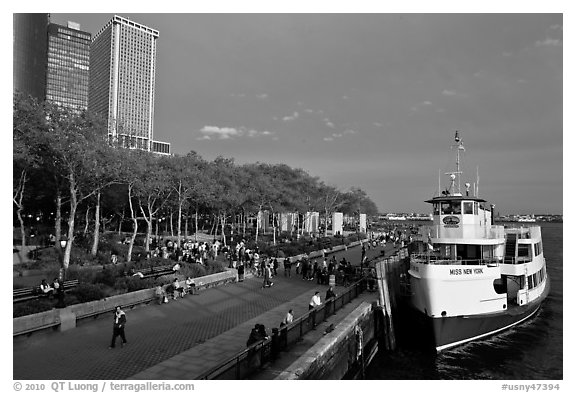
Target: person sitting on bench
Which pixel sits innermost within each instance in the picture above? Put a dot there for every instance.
(178, 291)
(45, 288)
(191, 286)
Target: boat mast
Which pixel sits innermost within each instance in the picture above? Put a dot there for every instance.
(459, 146)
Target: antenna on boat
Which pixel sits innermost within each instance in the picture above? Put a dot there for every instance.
(439, 185)
(459, 146)
(477, 181)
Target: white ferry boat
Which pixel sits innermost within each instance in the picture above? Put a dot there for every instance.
(468, 277)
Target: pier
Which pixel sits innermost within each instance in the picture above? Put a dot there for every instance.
(204, 337)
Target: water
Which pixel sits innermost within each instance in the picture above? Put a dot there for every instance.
(530, 351)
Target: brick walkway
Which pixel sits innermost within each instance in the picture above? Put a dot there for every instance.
(157, 334)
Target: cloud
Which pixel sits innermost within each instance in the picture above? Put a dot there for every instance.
(556, 27)
(450, 93)
(223, 133)
(345, 97)
(426, 103)
(549, 42)
(378, 124)
(328, 123)
(294, 116)
(262, 96)
(340, 135)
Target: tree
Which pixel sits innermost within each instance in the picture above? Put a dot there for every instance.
(226, 190)
(152, 188)
(329, 199)
(188, 182)
(27, 125)
(75, 141)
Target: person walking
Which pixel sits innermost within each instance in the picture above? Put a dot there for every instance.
(267, 275)
(119, 323)
(275, 266)
(287, 267)
(241, 271)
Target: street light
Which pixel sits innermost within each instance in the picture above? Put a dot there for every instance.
(61, 274)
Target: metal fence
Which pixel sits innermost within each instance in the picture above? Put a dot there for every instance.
(251, 359)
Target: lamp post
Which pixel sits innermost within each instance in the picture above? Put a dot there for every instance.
(62, 273)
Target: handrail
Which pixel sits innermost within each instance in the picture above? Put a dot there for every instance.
(247, 361)
(436, 260)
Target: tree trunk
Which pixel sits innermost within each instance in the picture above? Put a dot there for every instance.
(213, 225)
(86, 221)
(157, 224)
(186, 227)
(96, 226)
(257, 224)
(223, 226)
(274, 228)
(58, 221)
(135, 225)
(171, 223)
(179, 224)
(149, 223)
(20, 196)
(196, 225)
(71, 218)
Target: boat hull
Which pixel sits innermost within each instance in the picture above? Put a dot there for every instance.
(448, 332)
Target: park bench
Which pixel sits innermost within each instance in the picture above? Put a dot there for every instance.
(30, 293)
(154, 272)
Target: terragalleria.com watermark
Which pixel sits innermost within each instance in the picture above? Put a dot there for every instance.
(104, 386)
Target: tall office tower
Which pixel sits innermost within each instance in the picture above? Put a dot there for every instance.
(29, 49)
(122, 80)
(68, 69)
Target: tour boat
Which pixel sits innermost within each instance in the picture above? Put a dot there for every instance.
(469, 278)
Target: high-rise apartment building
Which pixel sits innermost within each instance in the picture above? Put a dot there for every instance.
(29, 54)
(68, 71)
(122, 82)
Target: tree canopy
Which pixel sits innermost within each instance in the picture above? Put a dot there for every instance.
(64, 161)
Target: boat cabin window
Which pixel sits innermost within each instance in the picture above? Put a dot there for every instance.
(538, 248)
(468, 207)
(436, 209)
(524, 251)
(451, 207)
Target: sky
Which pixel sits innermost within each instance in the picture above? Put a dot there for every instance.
(369, 100)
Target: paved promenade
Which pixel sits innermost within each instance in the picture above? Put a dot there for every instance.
(178, 340)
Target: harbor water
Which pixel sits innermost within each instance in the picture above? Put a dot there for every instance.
(530, 351)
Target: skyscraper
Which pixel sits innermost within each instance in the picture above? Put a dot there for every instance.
(29, 54)
(68, 70)
(122, 82)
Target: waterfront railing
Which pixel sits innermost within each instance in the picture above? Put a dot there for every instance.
(251, 359)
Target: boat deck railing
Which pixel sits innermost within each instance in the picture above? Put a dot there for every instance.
(516, 260)
(439, 260)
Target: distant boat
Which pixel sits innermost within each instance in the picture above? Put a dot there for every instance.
(470, 278)
(396, 218)
(526, 219)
